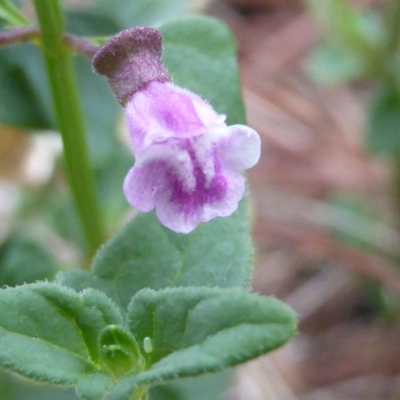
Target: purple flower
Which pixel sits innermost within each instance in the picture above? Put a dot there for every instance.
(188, 161)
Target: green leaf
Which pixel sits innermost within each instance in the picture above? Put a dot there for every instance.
(109, 178)
(146, 254)
(356, 31)
(352, 45)
(25, 100)
(383, 124)
(101, 112)
(22, 260)
(119, 350)
(200, 330)
(13, 388)
(92, 386)
(200, 54)
(62, 216)
(130, 13)
(50, 333)
(331, 65)
(90, 22)
(210, 387)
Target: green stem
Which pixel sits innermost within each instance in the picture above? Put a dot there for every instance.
(70, 119)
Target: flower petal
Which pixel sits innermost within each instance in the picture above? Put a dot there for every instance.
(185, 184)
(155, 172)
(164, 110)
(143, 184)
(186, 219)
(239, 148)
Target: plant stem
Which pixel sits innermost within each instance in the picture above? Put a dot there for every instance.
(18, 35)
(69, 119)
(75, 43)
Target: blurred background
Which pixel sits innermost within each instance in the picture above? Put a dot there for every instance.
(325, 192)
(321, 85)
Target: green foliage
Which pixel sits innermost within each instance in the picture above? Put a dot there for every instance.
(25, 100)
(120, 351)
(132, 260)
(129, 13)
(344, 24)
(92, 386)
(50, 333)
(11, 14)
(22, 260)
(383, 124)
(210, 387)
(156, 305)
(109, 177)
(331, 65)
(212, 71)
(55, 335)
(101, 112)
(199, 330)
(13, 388)
(146, 254)
(352, 43)
(90, 22)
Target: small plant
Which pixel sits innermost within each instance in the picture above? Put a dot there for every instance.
(166, 297)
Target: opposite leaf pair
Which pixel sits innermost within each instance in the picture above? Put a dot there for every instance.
(105, 331)
(55, 335)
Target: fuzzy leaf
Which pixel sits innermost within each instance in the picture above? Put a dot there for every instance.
(24, 100)
(383, 125)
(92, 386)
(22, 260)
(200, 330)
(128, 13)
(146, 254)
(14, 388)
(210, 387)
(200, 55)
(50, 333)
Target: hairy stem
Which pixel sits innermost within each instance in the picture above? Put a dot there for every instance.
(75, 43)
(18, 35)
(70, 119)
